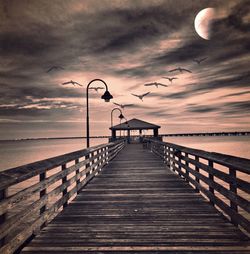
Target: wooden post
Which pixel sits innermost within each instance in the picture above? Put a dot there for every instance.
(64, 180)
(165, 154)
(187, 165)
(168, 156)
(87, 157)
(197, 169)
(42, 177)
(77, 172)
(179, 159)
(233, 188)
(211, 177)
(3, 195)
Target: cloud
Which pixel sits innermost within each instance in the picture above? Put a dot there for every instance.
(236, 94)
(127, 43)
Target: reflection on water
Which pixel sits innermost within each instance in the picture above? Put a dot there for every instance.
(16, 153)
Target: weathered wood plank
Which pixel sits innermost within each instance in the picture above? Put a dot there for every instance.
(143, 207)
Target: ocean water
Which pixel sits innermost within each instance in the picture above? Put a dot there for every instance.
(17, 153)
(232, 145)
(21, 152)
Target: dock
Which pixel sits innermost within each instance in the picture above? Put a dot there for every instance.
(134, 198)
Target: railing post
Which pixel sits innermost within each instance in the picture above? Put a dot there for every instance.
(42, 177)
(211, 177)
(187, 165)
(87, 157)
(165, 154)
(3, 195)
(171, 157)
(197, 169)
(77, 174)
(64, 180)
(233, 188)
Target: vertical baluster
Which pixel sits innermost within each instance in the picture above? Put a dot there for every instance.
(167, 157)
(105, 155)
(233, 188)
(171, 157)
(78, 181)
(3, 217)
(187, 165)
(165, 154)
(211, 177)
(65, 191)
(42, 177)
(87, 157)
(99, 159)
(179, 159)
(197, 169)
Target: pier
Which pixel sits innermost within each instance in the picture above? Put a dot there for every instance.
(149, 197)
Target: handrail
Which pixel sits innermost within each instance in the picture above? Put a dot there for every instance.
(223, 179)
(32, 195)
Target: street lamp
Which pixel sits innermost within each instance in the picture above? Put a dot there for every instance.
(121, 116)
(106, 97)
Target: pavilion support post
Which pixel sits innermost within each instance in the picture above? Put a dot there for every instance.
(155, 133)
(128, 137)
(113, 135)
(140, 134)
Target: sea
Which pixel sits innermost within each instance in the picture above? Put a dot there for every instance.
(20, 152)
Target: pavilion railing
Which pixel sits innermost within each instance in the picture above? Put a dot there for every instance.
(224, 180)
(33, 194)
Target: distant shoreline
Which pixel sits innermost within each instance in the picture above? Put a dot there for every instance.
(235, 133)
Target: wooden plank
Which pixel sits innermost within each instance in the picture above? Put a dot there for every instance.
(132, 207)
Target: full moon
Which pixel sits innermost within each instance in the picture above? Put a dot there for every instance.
(202, 22)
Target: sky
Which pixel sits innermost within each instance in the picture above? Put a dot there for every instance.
(127, 44)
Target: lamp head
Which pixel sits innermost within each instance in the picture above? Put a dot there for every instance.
(121, 116)
(107, 96)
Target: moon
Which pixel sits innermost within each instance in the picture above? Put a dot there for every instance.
(202, 22)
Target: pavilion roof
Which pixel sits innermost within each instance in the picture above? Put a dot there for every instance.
(135, 124)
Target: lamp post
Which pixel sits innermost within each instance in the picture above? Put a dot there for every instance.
(106, 97)
(121, 116)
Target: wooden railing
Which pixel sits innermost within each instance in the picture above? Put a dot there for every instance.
(32, 195)
(222, 179)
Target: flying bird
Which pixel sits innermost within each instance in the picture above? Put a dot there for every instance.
(170, 79)
(54, 68)
(198, 61)
(123, 105)
(155, 84)
(74, 83)
(140, 96)
(96, 88)
(180, 70)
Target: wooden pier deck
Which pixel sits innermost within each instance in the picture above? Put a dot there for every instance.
(137, 205)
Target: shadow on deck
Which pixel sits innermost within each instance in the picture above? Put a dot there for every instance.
(137, 205)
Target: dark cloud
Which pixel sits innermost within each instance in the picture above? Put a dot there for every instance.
(118, 39)
(236, 94)
(237, 107)
(202, 109)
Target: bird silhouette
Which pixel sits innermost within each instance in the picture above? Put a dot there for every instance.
(140, 96)
(181, 70)
(123, 105)
(54, 68)
(155, 84)
(74, 83)
(198, 61)
(96, 88)
(170, 79)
